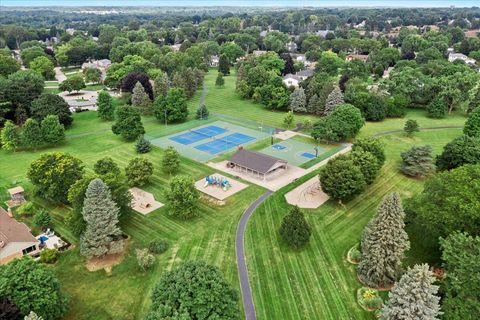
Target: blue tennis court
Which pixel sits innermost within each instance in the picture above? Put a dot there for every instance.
(225, 143)
(278, 147)
(197, 135)
(308, 155)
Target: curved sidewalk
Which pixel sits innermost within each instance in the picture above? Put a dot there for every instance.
(246, 291)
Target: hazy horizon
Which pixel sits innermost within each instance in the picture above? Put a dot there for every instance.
(238, 3)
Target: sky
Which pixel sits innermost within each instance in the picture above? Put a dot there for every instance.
(276, 3)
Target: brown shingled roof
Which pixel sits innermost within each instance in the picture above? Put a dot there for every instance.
(13, 231)
(255, 161)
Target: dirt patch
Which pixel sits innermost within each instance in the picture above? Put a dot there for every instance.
(107, 262)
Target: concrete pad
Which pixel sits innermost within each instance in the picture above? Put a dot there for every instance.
(144, 202)
(308, 195)
(217, 192)
(274, 181)
(285, 135)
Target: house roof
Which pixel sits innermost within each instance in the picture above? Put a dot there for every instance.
(255, 161)
(305, 73)
(13, 231)
(15, 190)
(358, 56)
(291, 76)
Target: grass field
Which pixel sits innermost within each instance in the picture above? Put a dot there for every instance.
(317, 282)
(224, 100)
(124, 294)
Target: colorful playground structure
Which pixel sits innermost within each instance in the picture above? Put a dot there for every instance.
(219, 182)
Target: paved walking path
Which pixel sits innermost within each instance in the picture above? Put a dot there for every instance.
(59, 75)
(246, 291)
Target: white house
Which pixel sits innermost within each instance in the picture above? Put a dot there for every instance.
(176, 47)
(460, 56)
(103, 64)
(299, 57)
(15, 239)
(214, 60)
(291, 80)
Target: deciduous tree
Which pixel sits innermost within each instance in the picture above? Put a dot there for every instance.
(171, 160)
(10, 136)
(52, 131)
(51, 104)
(22, 279)
(53, 173)
(458, 152)
(193, 291)
(138, 171)
(182, 197)
(105, 107)
(173, 106)
(128, 123)
(472, 125)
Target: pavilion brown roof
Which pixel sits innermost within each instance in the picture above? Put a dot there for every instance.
(255, 161)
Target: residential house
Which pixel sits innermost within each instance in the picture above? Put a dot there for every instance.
(259, 52)
(300, 57)
(102, 65)
(214, 61)
(70, 31)
(304, 74)
(363, 57)
(460, 56)
(15, 239)
(472, 33)
(291, 80)
(176, 47)
(322, 33)
(291, 46)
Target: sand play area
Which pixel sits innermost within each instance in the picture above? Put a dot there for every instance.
(144, 202)
(217, 191)
(308, 195)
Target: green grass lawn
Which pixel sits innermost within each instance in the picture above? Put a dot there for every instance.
(317, 282)
(224, 100)
(124, 294)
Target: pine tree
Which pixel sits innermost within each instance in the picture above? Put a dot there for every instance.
(143, 145)
(295, 230)
(9, 137)
(105, 108)
(411, 126)
(100, 213)
(384, 242)
(298, 100)
(315, 105)
(334, 99)
(219, 82)
(224, 65)
(413, 297)
(161, 85)
(418, 161)
(140, 100)
(202, 112)
(31, 134)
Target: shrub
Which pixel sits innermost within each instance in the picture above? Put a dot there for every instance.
(411, 126)
(42, 219)
(295, 230)
(143, 145)
(49, 255)
(145, 259)
(138, 171)
(26, 209)
(368, 298)
(355, 254)
(158, 246)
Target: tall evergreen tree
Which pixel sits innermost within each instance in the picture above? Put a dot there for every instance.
(224, 65)
(334, 99)
(140, 100)
(413, 297)
(384, 242)
(315, 105)
(161, 85)
(219, 82)
(100, 213)
(298, 100)
(106, 110)
(9, 136)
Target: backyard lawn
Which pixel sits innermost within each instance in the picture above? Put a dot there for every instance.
(317, 282)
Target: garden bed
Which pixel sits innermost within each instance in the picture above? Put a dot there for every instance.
(369, 299)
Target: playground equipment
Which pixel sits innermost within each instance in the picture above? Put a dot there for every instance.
(219, 182)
